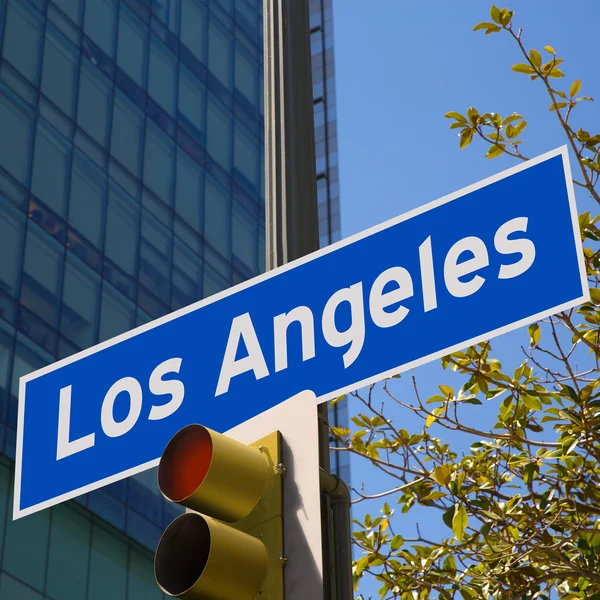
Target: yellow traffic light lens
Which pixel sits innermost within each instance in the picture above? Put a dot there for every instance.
(185, 463)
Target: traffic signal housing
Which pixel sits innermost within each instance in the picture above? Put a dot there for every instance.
(229, 544)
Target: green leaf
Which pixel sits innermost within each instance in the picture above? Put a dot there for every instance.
(511, 118)
(455, 115)
(448, 516)
(575, 87)
(340, 431)
(531, 402)
(459, 521)
(523, 68)
(495, 151)
(514, 532)
(536, 58)
(534, 334)
(494, 29)
(465, 138)
(556, 73)
(550, 49)
(530, 473)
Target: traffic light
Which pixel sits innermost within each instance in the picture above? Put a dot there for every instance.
(229, 544)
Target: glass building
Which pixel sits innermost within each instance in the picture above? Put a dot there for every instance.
(131, 184)
(328, 186)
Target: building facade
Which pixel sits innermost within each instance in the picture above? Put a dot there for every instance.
(131, 184)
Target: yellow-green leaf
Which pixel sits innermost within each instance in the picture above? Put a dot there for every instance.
(514, 532)
(397, 542)
(447, 391)
(531, 402)
(442, 474)
(556, 73)
(558, 105)
(536, 58)
(465, 138)
(523, 68)
(575, 87)
(455, 115)
(550, 49)
(459, 521)
(534, 334)
(495, 151)
(483, 25)
(433, 496)
(495, 14)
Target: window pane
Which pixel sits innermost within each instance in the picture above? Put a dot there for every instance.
(40, 291)
(22, 38)
(6, 350)
(188, 191)
(219, 133)
(11, 588)
(191, 101)
(245, 232)
(108, 567)
(69, 552)
(100, 23)
(132, 45)
(246, 157)
(25, 550)
(12, 230)
(127, 133)
(217, 230)
(16, 125)
(159, 163)
(80, 303)
(155, 257)
(94, 102)
(141, 577)
(187, 276)
(59, 74)
(88, 192)
(72, 8)
(51, 168)
(122, 227)
(117, 315)
(219, 53)
(246, 75)
(162, 85)
(193, 27)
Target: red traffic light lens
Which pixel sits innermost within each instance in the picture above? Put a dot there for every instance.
(185, 463)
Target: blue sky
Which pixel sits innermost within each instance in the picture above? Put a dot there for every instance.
(402, 64)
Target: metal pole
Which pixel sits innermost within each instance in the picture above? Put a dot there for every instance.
(292, 226)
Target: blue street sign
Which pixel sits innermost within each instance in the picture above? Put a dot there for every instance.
(449, 274)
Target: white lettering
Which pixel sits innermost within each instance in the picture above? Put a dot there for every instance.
(427, 275)
(65, 447)
(160, 387)
(114, 428)
(304, 316)
(241, 328)
(355, 334)
(453, 270)
(378, 300)
(522, 246)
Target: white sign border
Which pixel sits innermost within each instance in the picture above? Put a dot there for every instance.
(561, 151)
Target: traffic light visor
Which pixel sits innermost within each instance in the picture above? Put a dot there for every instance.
(185, 463)
(213, 474)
